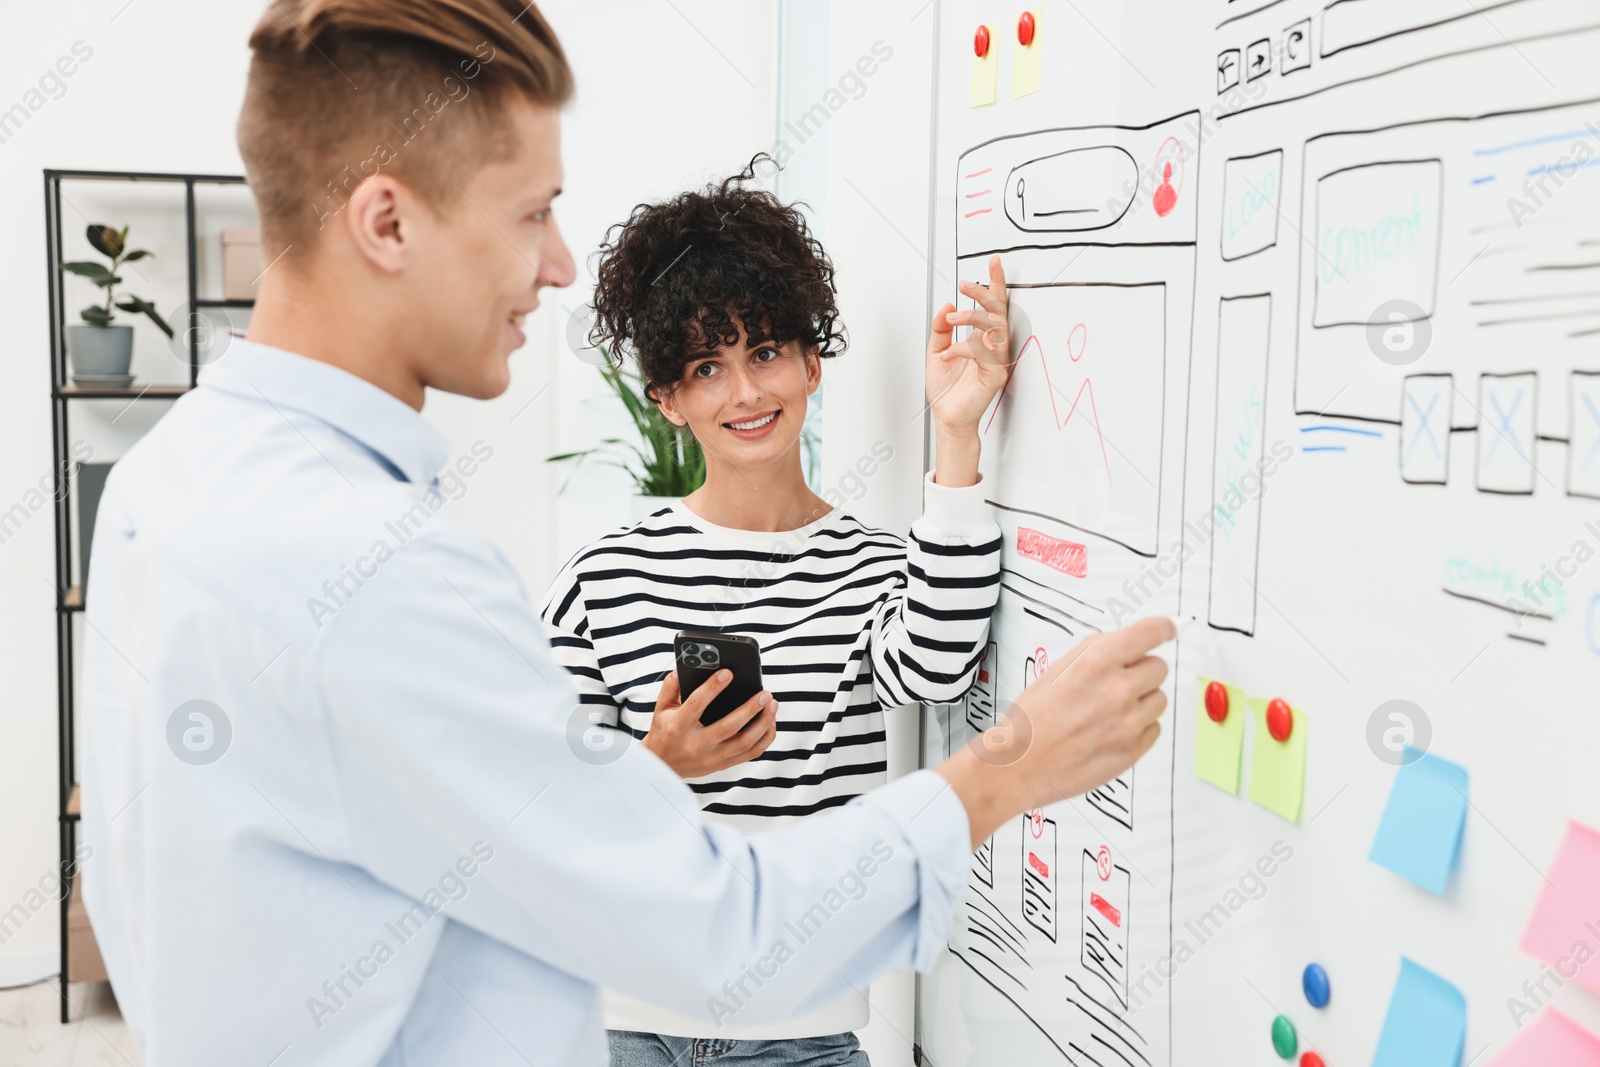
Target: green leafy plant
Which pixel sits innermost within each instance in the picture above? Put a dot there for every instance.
(669, 463)
(113, 244)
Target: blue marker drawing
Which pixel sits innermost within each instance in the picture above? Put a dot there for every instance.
(1572, 136)
(1340, 429)
(1424, 426)
(1563, 167)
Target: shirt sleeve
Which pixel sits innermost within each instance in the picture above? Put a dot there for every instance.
(455, 733)
(566, 625)
(928, 638)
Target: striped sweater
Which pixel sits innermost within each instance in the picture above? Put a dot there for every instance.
(850, 620)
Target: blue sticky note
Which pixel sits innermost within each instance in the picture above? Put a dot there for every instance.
(1427, 1022)
(1420, 834)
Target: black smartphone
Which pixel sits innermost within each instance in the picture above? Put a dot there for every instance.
(700, 655)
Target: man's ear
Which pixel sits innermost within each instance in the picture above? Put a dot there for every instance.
(663, 400)
(380, 221)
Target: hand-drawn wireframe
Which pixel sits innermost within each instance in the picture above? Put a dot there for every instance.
(1081, 504)
(1228, 67)
(1040, 872)
(1583, 453)
(1409, 314)
(1114, 800)
(1427, 406)
(1296, 48)
(980, 702)
(1258, 59)
(1509, 403)
(1252, 188)
(1092, 366)
(1105, 904)
(1243, 338)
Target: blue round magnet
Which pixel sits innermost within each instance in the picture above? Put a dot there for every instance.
(1315, 982)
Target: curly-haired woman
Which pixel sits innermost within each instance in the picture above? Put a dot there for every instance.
(726, 301)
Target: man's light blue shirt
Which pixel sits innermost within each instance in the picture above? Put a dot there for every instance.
(344, 809)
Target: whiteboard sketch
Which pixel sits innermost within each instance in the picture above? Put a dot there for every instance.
(1306, 348)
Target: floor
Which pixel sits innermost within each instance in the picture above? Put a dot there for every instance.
(32, 1034)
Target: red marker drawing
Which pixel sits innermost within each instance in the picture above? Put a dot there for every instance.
(1104, 907)
(1086, 387)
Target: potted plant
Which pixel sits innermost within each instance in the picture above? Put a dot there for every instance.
(670, 466)
(100, 351)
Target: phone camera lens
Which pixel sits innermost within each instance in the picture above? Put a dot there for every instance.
(691, 661)
(710, 653)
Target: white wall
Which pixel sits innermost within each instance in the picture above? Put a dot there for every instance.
(670, 96)
(877, 231)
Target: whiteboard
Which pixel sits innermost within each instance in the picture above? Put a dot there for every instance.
(1202, 212)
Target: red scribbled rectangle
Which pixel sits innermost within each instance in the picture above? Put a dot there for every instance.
(1068, 557)
(1039, 865)
(1103, 906)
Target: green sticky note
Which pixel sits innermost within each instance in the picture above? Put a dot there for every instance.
(1278, 768)
(1219, 746)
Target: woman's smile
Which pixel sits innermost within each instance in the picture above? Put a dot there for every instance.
(754, 427)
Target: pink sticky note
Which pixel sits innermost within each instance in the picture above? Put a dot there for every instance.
(1552, 1039)
(1564, 930)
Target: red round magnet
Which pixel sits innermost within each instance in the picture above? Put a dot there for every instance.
(1217, 702)
(980, 42)
(1025, 29)
(1311, 1059)
(1280, 720)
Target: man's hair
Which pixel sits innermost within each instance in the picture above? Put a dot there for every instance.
(341, 89)
(671, 280)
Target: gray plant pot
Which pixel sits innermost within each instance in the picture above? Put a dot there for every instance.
(99, 351)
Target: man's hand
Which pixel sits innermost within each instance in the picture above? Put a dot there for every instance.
(1088, 719)
(691, 749)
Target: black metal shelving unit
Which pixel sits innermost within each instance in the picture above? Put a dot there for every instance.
(70, 597)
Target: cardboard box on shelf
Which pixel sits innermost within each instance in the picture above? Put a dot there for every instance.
(83, 952)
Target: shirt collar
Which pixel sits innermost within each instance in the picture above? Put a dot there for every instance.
(351, 405)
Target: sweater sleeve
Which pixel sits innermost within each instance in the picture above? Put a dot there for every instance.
(566, 622)
(930, 633)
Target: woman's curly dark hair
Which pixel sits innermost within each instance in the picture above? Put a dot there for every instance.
(672, 278)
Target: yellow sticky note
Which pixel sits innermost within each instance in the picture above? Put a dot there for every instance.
(1027, 68)
(1219, 746)
(1278, 768)
(986, 71)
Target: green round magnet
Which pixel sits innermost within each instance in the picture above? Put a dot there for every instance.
(1283, 1037)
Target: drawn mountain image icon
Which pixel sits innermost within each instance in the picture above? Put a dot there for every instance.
(1087, 359)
